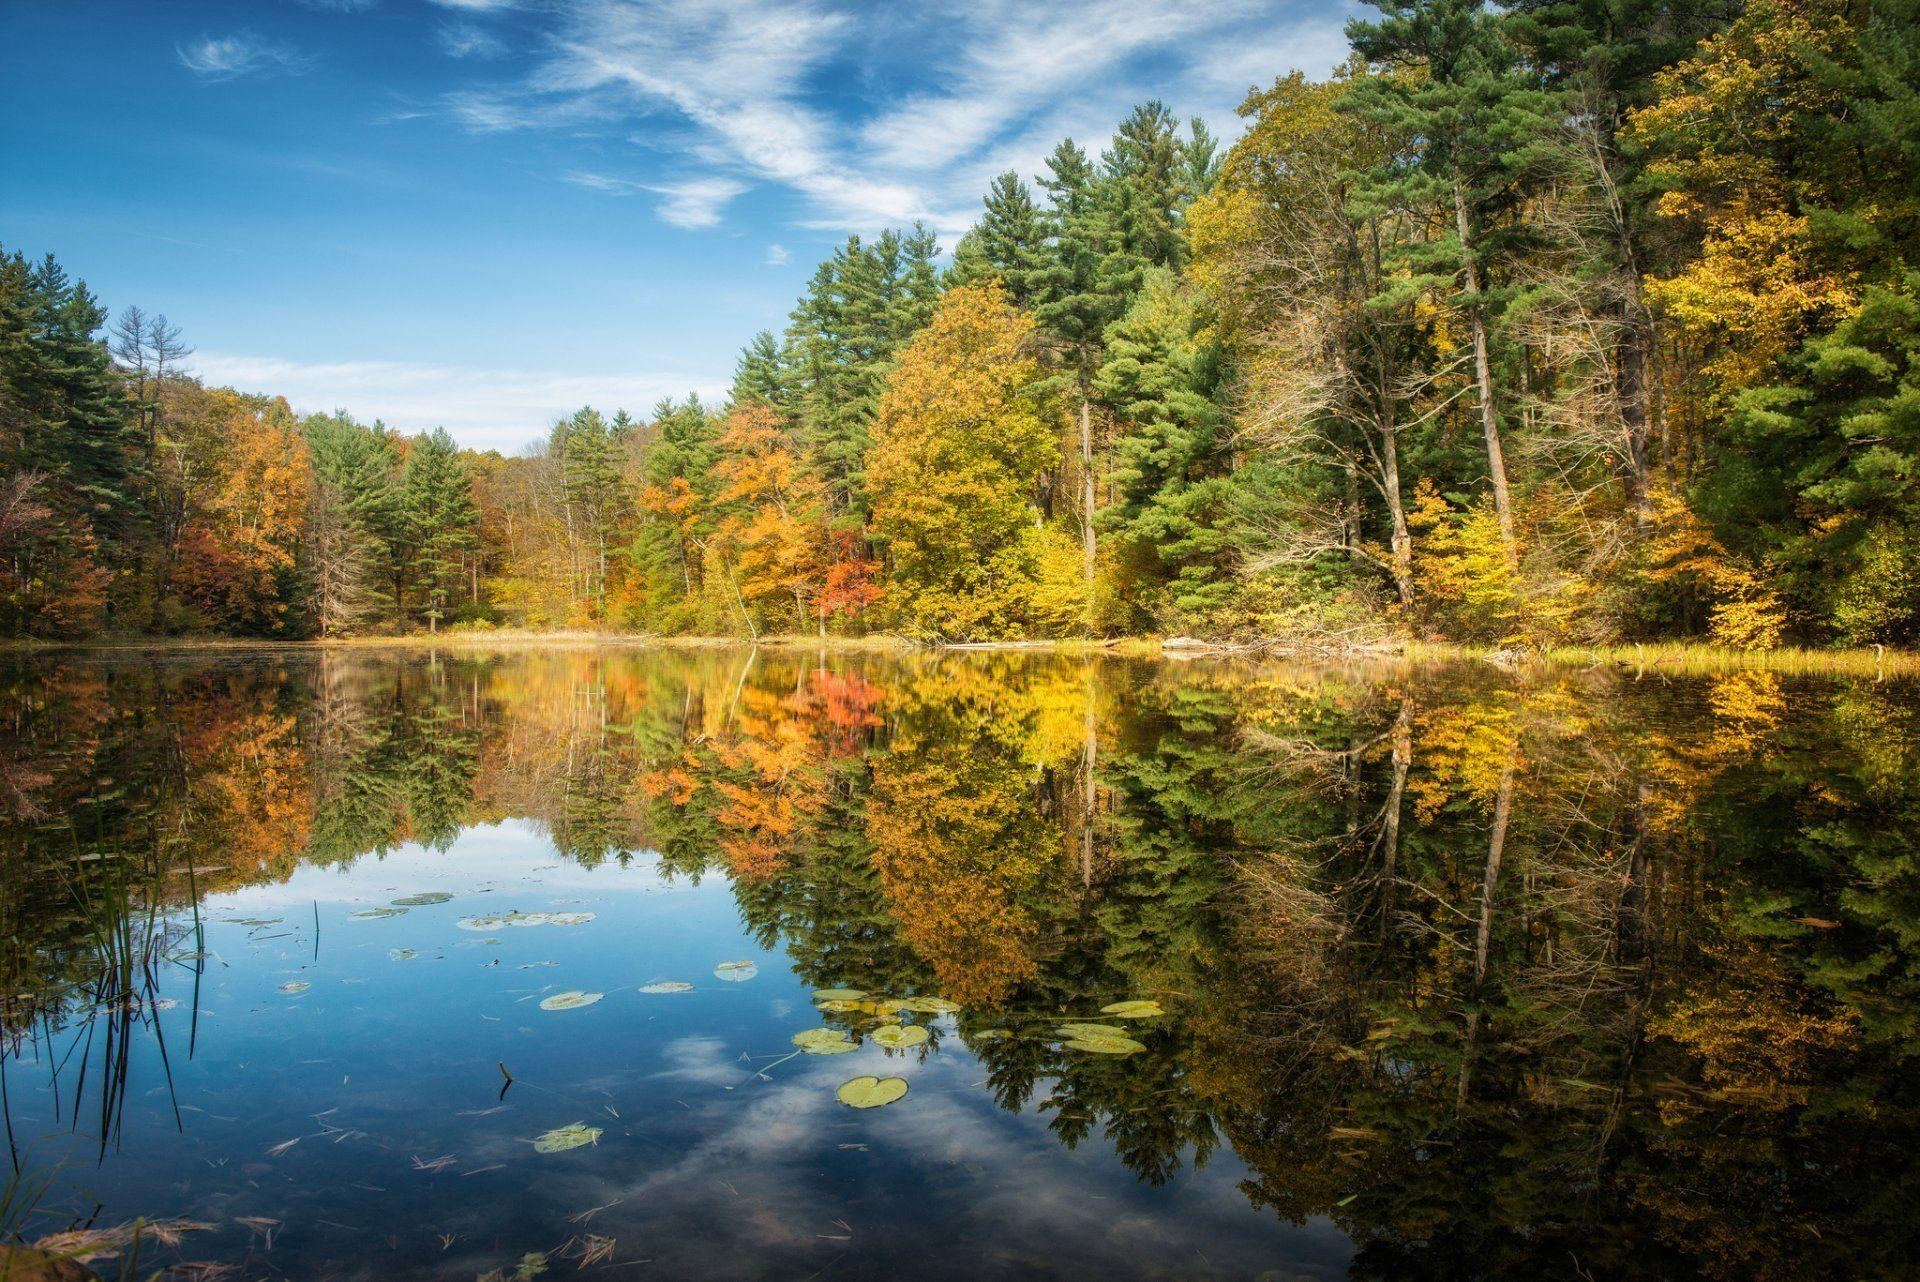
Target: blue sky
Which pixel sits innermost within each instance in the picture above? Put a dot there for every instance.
(481, 213)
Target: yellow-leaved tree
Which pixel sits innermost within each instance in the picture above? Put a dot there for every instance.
(961, 438)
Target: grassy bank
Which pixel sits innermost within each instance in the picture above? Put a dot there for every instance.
(1670, 658)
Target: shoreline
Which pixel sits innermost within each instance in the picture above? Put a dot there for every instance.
(1673, 658)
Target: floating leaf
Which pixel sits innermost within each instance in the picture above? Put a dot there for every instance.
(898, 1036)
(991, 1035)
(872, 1092)
(736, 971)
(570, 919)
(1105, 1045)
(482, 924)
(842, 1005)
(424, 899)
(374, 914)
(930, 1005)
(1132, 1010)
(667, 986)
(824, 1041)
(838, 994)
(572, 999)
(401, 954)
(1091, 1030)
(562, 1138)
(295, 987)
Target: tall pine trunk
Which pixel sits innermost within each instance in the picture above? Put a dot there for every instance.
(1483, 375)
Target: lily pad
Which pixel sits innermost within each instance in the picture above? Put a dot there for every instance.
(562, 1138)
(930, 1005)
(1132, 1010)
(667, 986)
(738, 972)
(374, 914)
(1091, 1030)
(824, 1041)
(295, 987)
(1105, 1045)
(481, 924)
(872, 1092)
(571, 919)
(839, 994)
(990, 1035)
(898, 1036)
(424, 899)
(572, 999)
(842, 1005)
(401, 954)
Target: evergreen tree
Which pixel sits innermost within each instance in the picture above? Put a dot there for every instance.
(1170, 493)
(355, 468)
(590, 457)
(1145, 185)
(441, 519)
(1200, 158)
(1077, 295)
(760, 377)
(1479, 122)
(1008, 244)
(920, 284)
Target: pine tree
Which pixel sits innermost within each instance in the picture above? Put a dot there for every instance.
(1077, 295)
(761, 377)
(1008, 244)
(1159, 382)
(1145, 184)
(920, 284)
(1200, 161)
(1479, 123)
(358, 541)
(590, 453)
(441, 520)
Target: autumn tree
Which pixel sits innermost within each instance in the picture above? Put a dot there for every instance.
(958, 445)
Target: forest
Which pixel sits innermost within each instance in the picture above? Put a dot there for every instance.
(1563, 322)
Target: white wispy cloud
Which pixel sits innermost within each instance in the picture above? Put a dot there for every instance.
(240, 54)
(478, 6)
(697, 203)
(778, 256)
(464, 40)
(693, 204)
(759, 88)
(500, 409)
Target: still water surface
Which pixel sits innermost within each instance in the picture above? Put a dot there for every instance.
(1457, 972)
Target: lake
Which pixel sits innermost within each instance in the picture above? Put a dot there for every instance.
(402, 964)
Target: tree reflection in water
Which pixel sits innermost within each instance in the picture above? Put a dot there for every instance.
(1505, 974)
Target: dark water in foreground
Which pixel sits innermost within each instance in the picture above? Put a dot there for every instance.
(1460, 973)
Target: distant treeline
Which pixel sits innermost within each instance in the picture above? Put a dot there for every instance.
(1565, 321)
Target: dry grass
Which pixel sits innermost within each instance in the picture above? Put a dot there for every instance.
(1674, 658)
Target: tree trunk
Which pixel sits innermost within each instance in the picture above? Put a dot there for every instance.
(1631, 389)
(1483, 376)
(1396, 509)
(1089, 546)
